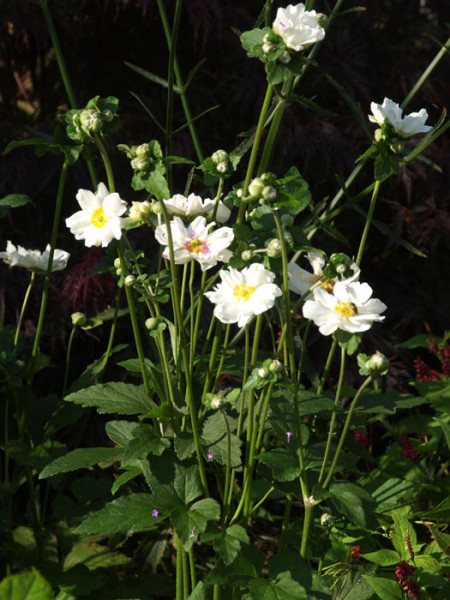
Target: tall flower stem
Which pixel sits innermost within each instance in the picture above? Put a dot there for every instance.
(65, 76)
(337, 401)
(327, 367)
(254, 152)
(345, 430)
(365, 232)
(56, 218)
(24, 306)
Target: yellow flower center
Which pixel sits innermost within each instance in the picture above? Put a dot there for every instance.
(243, 292)
(196, 246)
(346, 309)
(98, 218)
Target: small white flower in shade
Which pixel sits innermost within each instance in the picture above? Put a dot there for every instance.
(99, 221)
(194, 242)
(243, 294)
(391, 113)
(193, 206)
(33, 259)
(300, 280)
(350, 308)
(297, 27)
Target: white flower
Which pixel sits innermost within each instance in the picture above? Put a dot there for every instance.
(193, 206)
(194, 242)
(349, 308)
(99, 220)
(297, 28)
(300, 280)
(33, 259)
(242, 294)
(391, 113)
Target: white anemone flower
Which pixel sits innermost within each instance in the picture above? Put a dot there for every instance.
(297, 27)
(350, 308)
(243, 294)
(300, 280)
(391, 113)
(99, 221)
(194, 206)
(195, 242)
(33, 259)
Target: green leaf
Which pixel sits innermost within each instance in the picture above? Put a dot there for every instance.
(128, 514)
(145, 441)
(386, 589)
(215, 438)
(94, 556)
(228, 542)
(437, 392)
(294, 192)
(94, 370)
(384, 557)
(442, 539)
(198, 593)
(401, 531)
(284, 464)
(440, 513)
(189, 522)
(281, 588)
(348, 341)
(445, 428)
(245, 567)
(390, 491)
(353, 502)
(417, 341)
(173, 483)
(81, 458)
(26, 586)
(15, 200)
(114, 397)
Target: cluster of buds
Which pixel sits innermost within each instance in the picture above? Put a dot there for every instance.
(96, 117)
(404, 572)
(274, 248)
(273, 47)
(215, 401)
(263, 188)
(143, 157)
(222, 162)
(140, 211)
(269, 370)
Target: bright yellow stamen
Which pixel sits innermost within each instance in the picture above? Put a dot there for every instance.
(328, 285)
(196, 246)
(346, 309)
(243, 292)
(98, 218)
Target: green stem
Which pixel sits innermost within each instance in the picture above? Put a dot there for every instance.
(185, 575)
(111, 334)
(365, 233)
(254, 152)
(192, 568)
(226, 489)
(24, 306)
(106, 162)
(337, 401)
(179, 569)
(327, 367)
(69, 351)
(345, 430)
(54, 234)
(263, 499)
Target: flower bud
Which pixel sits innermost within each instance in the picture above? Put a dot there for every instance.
(222, 167)
(107, 115)
(287, 220)
(378, 135)
(140, 210)
(219, 156)
(266, 47)
(274, 248)
(119, 272)
(239, 193)
(341, 268)
(269, 193)
(151, 323)
(285, 58)
(216, 402)
(78, 318)
(117, 263)
(142, 150)
(262, 372)
(247, 255)
(90, 120)
(275, 366)
(130, 280)
(256, 187)
(377, 362)
(156, 208)
(140, 163)
(326, 520)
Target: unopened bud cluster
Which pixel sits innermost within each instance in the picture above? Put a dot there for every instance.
(140, 211)
(261, 189)
(377, 362)
(222, 162)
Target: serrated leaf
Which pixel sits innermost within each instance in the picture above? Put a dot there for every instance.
(145, 441)
(127, 515)
(81, 458)
(94, 556)
(26, 586)
(402, 530)
(228, 542)
(390, 491)
(215, 438)
(281, 588)
(245, 567)
(189, 522)
(353, 502)
(386, 589)
(284, 464)
(124, 478)
(114, 397)
(173, 483)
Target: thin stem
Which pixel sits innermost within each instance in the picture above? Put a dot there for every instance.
(263, 499)
(327, 367)
(24, 306)
(345, 430)
(365, 233)
(179, 569)
(106, 162)
(254, 152)
(337, 401)
(192, 568)
(226, 489)
(69, 352)
(111, 334)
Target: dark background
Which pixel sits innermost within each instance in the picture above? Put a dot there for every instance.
(377, 52)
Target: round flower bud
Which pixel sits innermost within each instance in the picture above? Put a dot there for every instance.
(377, 362)
(247, 255)
(322, 19)
(156, 208)
(287, 220)
(142, 150)
(222, 167)
(140, 163)
(378, 135)
(90, 120)
(266, 47)
(239, 193)
(117, 263)
(326, 520)
(219, 156)
(216, 402)
(274, 248)
(285, 58)
(256, 187)
(130, 280)
(262, 372)
(275, 366)
(269, 193)
(119, 272)
(151, 323)
(341, 268)
(78, 318)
